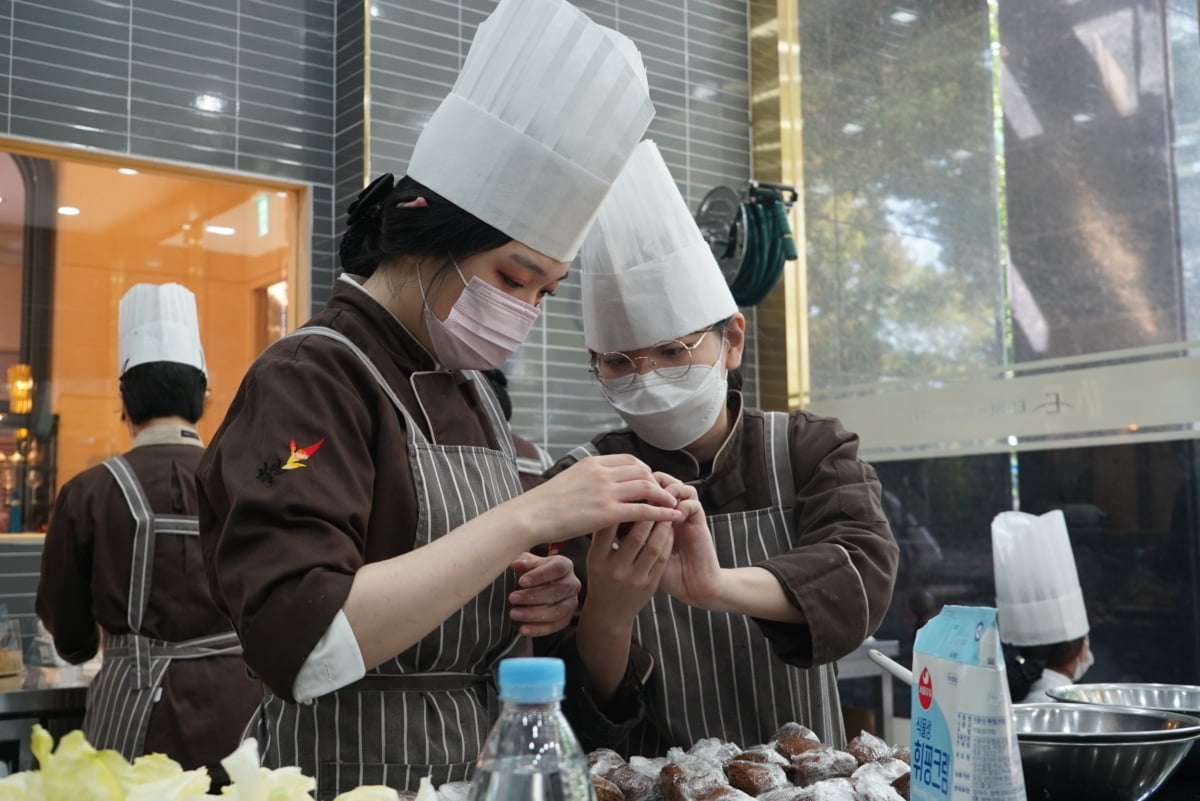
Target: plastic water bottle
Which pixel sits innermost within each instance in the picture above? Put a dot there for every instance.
(531, 753)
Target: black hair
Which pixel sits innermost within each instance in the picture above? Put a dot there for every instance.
(380, 227)
(1025, 664)
(499, 382)
(163, 389)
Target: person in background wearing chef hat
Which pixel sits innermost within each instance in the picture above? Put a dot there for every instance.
(121, 565)
(361, 511)
(1042, 618)
(788, 565)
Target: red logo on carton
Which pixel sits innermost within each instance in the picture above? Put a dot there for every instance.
(925, 689)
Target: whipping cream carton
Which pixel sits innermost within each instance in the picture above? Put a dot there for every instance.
(964, 745)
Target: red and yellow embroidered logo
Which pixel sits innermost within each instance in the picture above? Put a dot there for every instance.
(301, 455)
(296, 459)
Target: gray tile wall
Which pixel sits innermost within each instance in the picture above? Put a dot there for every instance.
(696, 54)
(349, 147)
(127, 77)
(286, 85)
(20, 565)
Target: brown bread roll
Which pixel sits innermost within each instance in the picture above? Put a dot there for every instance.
(792, 739)
(689, 778)
(634, 785)
(866, 747)
(606, 790)
(755, 778)
(820, 764)
(765, 754)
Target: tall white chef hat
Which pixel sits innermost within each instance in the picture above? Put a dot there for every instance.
(648, 275)
(1037, 587)
(158, 323)
(546, 110)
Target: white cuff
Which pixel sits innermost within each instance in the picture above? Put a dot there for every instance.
(334, 662)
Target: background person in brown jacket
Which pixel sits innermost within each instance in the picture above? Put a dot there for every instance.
(743, 608)
(122, 560)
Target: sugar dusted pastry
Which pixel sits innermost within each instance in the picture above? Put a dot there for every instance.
(725, 793)
(792, 739)
(822, 763)
(636, 786)
(866, 747)
(873, 781)
(765, 754)
(715, 749)
(602, 760)
(689, 777)
(755, 778)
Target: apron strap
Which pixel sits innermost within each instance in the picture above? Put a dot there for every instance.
(147, 526)
(143, 543)
(130, 645)
(417, 682)
(483, 388)
(414, 431)
(779, 454)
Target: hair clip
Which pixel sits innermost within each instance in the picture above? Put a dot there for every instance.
(370, 198)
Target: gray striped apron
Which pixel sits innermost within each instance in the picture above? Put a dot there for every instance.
(716, 674)
(125, 690)
(427, 711)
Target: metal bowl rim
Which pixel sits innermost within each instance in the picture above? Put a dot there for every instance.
(1108, 744)
(1125, 685)
(1189, 731)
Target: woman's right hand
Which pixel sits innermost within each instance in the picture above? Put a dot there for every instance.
(624, 571)
(593, 494)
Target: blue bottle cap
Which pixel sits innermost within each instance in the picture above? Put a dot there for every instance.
(532, 680)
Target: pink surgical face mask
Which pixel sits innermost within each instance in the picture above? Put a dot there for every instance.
(484, 328)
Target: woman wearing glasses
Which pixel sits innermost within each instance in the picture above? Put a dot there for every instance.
(741, 613)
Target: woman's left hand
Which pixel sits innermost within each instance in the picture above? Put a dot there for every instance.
(693, 574)
(549, 594)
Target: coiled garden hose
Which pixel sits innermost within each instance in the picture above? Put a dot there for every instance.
(769, 244)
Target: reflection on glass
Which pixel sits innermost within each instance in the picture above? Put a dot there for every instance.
(901, 213)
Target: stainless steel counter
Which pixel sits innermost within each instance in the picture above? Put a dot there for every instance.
(53, 697)
(46, 692)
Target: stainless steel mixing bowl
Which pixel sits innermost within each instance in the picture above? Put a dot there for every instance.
(1099, 753)
(1184, 698)
(1094, 723)
(1070, 771)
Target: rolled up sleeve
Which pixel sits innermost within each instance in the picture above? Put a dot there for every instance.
(841, 573)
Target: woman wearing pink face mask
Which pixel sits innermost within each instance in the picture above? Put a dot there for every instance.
(360, 513)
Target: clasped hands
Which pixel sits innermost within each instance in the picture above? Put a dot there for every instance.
(626, 563)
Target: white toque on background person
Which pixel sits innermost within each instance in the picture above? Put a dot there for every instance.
(1038, 595)
(647, 273)
(158, 323)
(546, 111)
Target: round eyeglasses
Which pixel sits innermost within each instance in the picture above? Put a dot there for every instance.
(671, 360)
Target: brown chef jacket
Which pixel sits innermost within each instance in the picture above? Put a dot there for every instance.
(837, 505)
(282, 545)
(86, 564)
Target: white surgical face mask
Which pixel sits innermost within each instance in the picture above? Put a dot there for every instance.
(1085, 662)
(671, 413)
